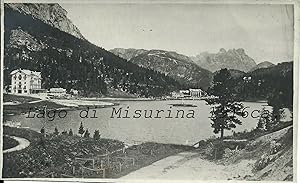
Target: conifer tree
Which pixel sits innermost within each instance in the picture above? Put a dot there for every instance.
(81, 129)
(226, 106)
(56, 131)
(70, 132)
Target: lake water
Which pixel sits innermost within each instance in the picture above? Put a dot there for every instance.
(136, 130)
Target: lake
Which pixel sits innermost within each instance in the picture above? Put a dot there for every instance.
(136, 130)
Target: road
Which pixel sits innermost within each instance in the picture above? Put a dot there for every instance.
(191, 166)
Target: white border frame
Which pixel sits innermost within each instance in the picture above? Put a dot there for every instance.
(296, 111)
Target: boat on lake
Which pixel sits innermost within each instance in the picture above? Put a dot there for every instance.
(183, 105)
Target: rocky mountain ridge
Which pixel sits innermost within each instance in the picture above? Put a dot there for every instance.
(261, 65)
(127, 53)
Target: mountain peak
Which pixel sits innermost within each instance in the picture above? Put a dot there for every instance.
(222, 50)
(232, 59)
(241, 50)
(51, 14)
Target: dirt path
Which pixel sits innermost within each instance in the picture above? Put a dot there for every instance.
(23, 143)
(190, 165)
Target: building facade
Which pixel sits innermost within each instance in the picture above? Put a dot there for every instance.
(25, 81)
(190, 93)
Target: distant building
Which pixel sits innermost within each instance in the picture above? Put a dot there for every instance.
(194, 93)
(57, 91)
(184, 93)
(197, 93)
(25, 81)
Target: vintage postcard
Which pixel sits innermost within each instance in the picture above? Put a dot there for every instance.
(149, 90)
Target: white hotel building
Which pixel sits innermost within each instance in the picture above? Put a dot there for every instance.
(25, 81)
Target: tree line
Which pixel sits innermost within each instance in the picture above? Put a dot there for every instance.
(81, 131)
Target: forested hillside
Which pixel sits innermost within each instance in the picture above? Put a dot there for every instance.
(273, 83)
(69, 62)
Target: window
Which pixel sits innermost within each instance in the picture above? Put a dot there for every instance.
(24, 77)
(15, 77)
(20, 77)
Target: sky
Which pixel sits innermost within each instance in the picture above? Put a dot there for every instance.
(264, 31)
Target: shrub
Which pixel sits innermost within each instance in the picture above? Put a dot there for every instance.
(42, 131)
(86, 134)
(96, 135)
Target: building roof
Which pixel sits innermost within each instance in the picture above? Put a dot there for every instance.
(27, 72)
(195, 89)
(57, 90)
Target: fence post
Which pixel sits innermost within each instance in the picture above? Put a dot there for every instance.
(215, 154)
(120, 166)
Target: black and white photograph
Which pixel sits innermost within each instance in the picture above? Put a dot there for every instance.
(149, 90)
